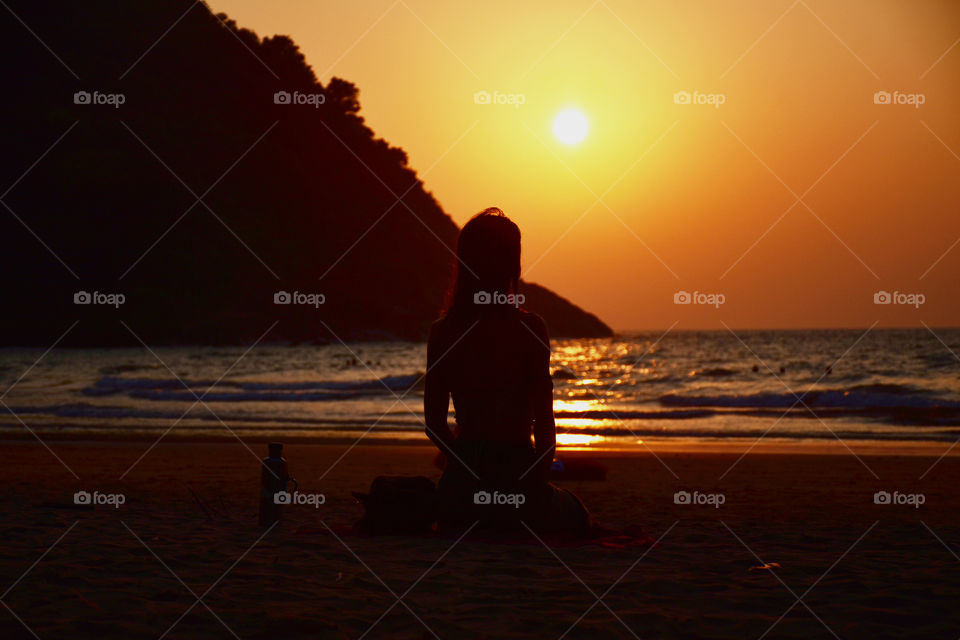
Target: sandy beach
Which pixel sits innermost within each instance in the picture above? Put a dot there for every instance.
(187, 530)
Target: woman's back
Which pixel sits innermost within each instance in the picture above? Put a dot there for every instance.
(493, 364)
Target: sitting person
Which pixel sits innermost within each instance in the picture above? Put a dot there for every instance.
(493, 359)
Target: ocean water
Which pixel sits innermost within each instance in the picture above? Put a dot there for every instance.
(880, 385)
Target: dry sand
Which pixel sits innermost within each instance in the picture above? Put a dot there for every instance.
(862, 570)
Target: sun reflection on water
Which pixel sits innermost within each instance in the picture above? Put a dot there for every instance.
(568, 440)
(574, 406)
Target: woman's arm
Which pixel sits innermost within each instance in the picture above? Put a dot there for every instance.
(544, 425)
(544, 433)
(436, 396)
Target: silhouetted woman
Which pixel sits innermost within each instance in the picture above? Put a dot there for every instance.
(493, 359)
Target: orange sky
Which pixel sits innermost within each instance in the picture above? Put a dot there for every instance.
(663, 197)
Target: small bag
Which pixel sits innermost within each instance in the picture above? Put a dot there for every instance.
(397, 504)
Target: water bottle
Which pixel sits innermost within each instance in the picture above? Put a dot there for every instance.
(274, 478)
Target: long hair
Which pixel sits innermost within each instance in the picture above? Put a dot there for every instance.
(488, 261)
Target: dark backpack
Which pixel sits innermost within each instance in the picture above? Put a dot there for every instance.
(397, 504)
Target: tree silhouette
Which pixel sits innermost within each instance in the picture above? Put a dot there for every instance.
(200, 197)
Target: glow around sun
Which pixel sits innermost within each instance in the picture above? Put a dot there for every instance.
(570, 126)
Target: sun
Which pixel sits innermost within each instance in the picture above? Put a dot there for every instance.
(570, 126)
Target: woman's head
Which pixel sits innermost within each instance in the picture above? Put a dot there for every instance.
(488, 258)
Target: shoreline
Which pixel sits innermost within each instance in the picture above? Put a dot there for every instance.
(666, 446)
